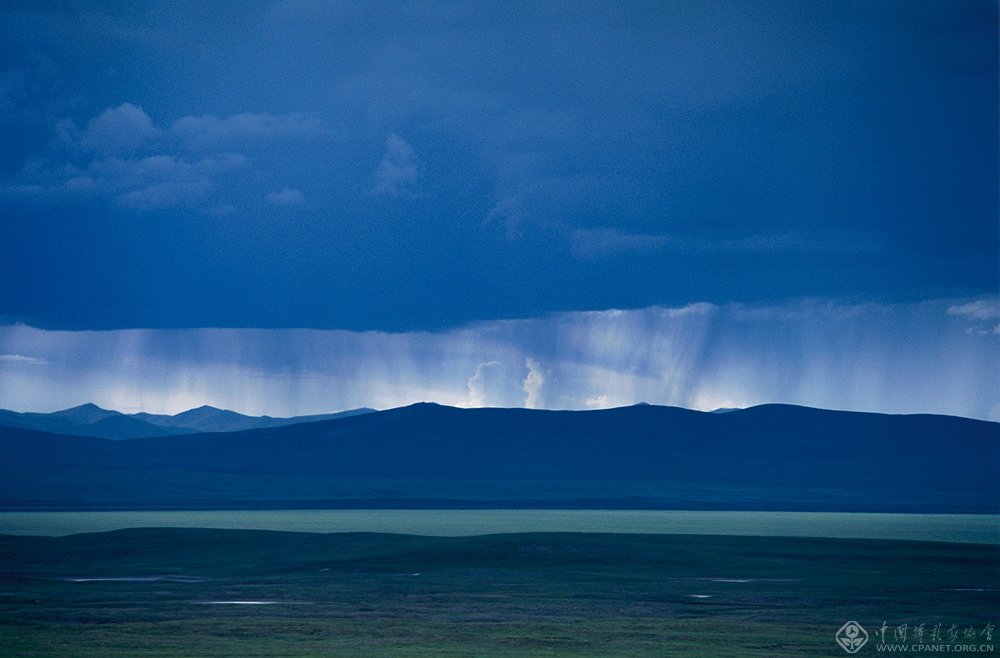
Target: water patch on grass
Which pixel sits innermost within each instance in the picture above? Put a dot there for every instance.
(967, 528)
(754, 580)
(741, 580)
(253, 602)
(137, 579)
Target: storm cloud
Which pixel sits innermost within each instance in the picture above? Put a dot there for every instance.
(898, 359)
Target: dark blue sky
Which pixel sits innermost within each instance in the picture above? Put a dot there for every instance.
(423, 165)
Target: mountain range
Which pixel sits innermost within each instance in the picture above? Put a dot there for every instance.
(91, 420)
(772, 457)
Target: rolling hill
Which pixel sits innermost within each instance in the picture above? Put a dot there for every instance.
(766, 457)
(91, 420)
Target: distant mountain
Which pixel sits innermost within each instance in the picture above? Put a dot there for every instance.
(766, 457)
(85, 414)
(210, 419)
(85, 420)
(91, 420)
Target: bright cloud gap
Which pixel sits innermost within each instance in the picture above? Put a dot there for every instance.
(929, 357)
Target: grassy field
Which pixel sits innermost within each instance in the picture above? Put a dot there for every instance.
(174, 592)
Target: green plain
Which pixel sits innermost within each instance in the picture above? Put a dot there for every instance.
(156, 592)
(964, 528)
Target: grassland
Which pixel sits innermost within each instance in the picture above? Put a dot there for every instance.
(171, 592)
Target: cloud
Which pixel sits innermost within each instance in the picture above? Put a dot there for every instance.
(866, 357)
(477, 384)
(123, 156)
(286, 197)
(599, 242)
(591, 243)
(981, 309)
(492, 386)
(512, 212)
(982, 315)
(533, 384)
(158, 181)
(598, 402)
(399, 169)
(16, 190)
(20, 359)
(165, 195)
(533, 202)
(121, 130)
(207, 131)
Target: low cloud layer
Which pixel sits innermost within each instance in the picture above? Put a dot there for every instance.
(910, 358)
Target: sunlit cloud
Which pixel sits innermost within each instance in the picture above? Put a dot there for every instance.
(533, 384)
(908, 358)
(492, 386)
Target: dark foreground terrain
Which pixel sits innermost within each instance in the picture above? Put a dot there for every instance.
(184, 592)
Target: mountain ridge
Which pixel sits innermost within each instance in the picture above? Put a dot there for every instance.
(91, 420)
(765, 457)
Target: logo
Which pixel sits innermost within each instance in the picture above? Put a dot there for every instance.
(852, 636)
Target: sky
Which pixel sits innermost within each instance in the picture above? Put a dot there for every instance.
(303, 206)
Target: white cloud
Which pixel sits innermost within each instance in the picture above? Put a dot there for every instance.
(477, 383)
(120, 130)
(20, 359)
(981, 309)
(399, 169)
(207, 131)
(166, 194)
(492, 386)
(598, 242)
(533, 384)
(980, 314)
(512, 213)
(286, 197)
(123, 156)
(158, 181)
(598, 402)
(533, 199)
(592, 243)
